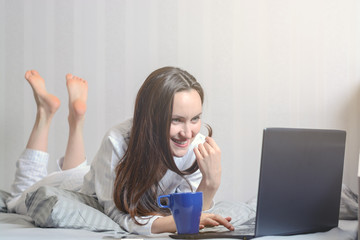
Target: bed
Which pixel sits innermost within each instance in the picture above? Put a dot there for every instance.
(61, 214)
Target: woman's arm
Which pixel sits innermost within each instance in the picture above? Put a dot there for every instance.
(208, 156)
(163, 224)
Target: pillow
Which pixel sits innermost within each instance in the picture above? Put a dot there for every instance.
(348, 204)
(3, 197)
(60, 208)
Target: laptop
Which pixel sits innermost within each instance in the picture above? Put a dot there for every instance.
(299, 187)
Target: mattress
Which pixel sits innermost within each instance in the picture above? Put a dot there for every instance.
(61, 219)
(15, 226)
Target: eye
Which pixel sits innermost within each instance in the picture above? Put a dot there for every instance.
(195, 119)
(175, 120)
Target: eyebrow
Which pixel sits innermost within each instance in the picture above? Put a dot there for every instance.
(178, 116)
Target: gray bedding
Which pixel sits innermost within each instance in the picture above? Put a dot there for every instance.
(63, 218)
(15, 226)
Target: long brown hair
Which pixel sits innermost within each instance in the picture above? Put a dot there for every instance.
(148, 155)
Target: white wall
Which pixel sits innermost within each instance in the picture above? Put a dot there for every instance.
(276, 63)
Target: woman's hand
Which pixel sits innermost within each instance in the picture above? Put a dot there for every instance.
(212, 220)
(167, 224)
(208, 156)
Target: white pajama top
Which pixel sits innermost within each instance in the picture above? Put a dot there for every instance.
(98, 180)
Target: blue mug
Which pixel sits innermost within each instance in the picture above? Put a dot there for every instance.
(186, 209)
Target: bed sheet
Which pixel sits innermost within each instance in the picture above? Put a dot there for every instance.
(15, 226)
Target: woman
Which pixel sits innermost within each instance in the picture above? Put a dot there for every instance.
(159, 151)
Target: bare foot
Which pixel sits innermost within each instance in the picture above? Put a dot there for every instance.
(77, 89)
(46, 103)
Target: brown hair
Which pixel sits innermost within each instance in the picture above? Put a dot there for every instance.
(148, 155)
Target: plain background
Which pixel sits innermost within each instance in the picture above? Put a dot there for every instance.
(262, 63)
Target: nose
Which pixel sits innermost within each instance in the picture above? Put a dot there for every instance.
(186, 131)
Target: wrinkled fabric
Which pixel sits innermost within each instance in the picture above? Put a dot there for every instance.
(98, 180)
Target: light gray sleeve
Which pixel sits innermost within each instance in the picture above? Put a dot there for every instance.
(31, 167)
(31, 173)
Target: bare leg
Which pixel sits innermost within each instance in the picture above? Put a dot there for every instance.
(47, 105)
(75, 150)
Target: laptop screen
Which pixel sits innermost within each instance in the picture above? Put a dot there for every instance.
(300, 181)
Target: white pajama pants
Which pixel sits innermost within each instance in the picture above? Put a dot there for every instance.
(31, 173)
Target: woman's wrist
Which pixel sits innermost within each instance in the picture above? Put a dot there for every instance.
(210, 184)
(163, 224)
(209, 192)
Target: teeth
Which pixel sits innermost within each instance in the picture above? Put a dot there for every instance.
(179, 142)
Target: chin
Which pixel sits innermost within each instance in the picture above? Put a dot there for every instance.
(178, 155)
(179, 152)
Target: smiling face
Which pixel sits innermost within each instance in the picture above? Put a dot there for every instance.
(185, 122)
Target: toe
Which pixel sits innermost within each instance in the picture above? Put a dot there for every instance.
(27, 74)
(34, 72)
(69, 76)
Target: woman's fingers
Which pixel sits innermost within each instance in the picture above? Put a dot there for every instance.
(211, 145)
(225, 222)
(198, 154)
(212, 220)
(208, 156)
(208, 148)
(203, 150)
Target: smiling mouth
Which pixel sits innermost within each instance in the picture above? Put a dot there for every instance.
(180, 143)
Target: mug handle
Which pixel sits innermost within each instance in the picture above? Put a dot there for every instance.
(159, 201)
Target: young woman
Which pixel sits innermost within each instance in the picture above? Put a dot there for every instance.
(159, 151)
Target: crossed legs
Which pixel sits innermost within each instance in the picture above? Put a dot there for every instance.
(31, 167)
(47, 105)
